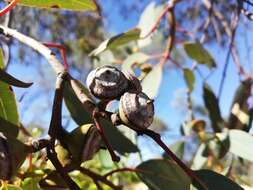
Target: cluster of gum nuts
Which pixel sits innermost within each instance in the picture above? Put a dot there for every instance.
(136, 109)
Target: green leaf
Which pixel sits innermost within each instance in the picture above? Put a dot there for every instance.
(75, 5)
(189, 78)
(18, 151)
(151, 83)
(199, 159)
(116, 41)
(119, 142)
(147, 20)
(241, 144)
(129, 62)
(177, 148)
(74, 106)
(5, 77)
(163, 175)
(30, 183)
(215, 181)
(7, 128)
(198, 53)
(212, 105)
(220, 145)
(10, 187)
(53, 180)
(8, 106)
(105, 159)
(241, 113)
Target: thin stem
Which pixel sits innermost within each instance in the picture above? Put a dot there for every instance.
(121, 170)
(157, 138)
(97, 177)
(52, 156)
(102, 134)
(55, 128)
(62, 51)
(8, 7)
(38, 145)
(171, 38)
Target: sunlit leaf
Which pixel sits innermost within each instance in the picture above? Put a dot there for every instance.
(77, 5)
(10, 187)
(241, 111)
(129, 62)
(8, 106)
(30, 183)
(105, 159)
(53, 180)
(199, 159)
(5, 77)
(198, 53)
(215, 181)
(163, 175)
(146, 22)
(177, 148)
(151, 83)
(75, 107)
(212, 105)
(220, 145)
(189, 78)
(241, 144)
(116, 41)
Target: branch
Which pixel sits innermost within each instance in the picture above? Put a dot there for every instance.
(56, 65)
(157, 138)
(37, 46)
(171, 38)
(102, 134)
(8, 7)
(52, 156)
(62, 51)
(122, 170)
(96, 178)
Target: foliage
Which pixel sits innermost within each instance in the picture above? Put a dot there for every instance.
(88, 156)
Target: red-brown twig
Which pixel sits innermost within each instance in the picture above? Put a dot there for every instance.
(96, 116)
(8, 7)
(122, 170)
(62, 51)
(96, 178)
(157, 138)
(52, 156)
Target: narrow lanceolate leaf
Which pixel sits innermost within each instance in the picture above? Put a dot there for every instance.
(189, 79)
(241, 112)
(241, 144)
(76, 5)
(198, 53)
(147, 21)
(151, 83)
(177, 148)
(163, 175)
(116, 41)
(119, 142)
(8, 106)
(212, 106)
(215, 181)
(199, 160)
(74, 106)
(7, 78)
(131, 60)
